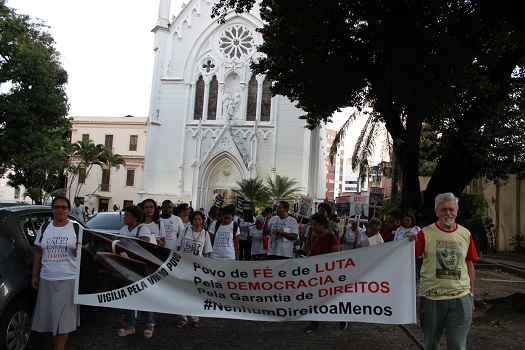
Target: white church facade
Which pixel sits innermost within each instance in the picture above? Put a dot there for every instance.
(212, 122)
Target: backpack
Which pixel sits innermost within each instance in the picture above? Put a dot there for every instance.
(76, 227)
(218, 224)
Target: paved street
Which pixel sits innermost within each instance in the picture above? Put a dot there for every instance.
(99, 326)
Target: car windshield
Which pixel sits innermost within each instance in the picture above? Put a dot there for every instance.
(106, 221)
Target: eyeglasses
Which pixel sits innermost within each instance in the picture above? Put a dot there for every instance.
(58, 207)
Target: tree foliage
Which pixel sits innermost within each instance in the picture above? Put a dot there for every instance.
(84, 155)
(253, 190)
(33, 105)
(283, 187)
(456, 66)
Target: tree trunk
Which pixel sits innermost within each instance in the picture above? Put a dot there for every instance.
(452, 174)
(410, 167)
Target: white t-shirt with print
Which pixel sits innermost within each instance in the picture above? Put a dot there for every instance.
(59, 251)
(223, 243)
(173, 227)
(78, 211)
(196, 243)
(257, 240)
(279, 245)
(156, 228)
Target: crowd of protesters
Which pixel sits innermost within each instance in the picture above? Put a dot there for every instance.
(274, 235)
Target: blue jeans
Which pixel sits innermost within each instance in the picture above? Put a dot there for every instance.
(129, 317)
(453, 315)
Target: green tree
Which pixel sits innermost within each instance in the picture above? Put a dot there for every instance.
(83, 157)
(255, 191)
(283, 187)
(42, 172)
(456, 66)
(34, 107)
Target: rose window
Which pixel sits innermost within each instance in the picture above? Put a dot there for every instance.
(236, 42)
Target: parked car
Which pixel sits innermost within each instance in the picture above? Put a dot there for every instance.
(19, 224)
(107, 221)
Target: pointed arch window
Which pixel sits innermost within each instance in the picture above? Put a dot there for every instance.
(212, 99)
(266, 102)
(199, 99)
(251, 111)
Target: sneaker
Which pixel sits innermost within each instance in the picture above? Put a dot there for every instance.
(126, 330)
(343, 325)
(312, 327)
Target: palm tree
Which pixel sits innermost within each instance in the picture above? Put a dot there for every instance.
(255, 191)
(83, 156)
(283, 187)
(372, 132)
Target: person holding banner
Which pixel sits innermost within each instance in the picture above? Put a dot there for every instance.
(225, 236)
(323, 242)
(54, 273)
(446, 287)
(132, 217)
(196, 241)
(283, 231)
(152, 221)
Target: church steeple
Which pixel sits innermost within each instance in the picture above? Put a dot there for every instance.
(164, 13)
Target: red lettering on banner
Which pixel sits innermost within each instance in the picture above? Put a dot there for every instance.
(334, 264)
(280, 285)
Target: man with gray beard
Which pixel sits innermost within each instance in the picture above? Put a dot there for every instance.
(446, 288)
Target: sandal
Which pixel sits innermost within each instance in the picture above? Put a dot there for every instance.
(148, 332)
(126, 330)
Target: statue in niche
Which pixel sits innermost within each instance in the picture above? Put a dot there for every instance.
(236, 99)
(227, 105)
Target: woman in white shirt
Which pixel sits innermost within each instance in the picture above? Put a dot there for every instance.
(152, 220)
(132, 218)
(409, 226)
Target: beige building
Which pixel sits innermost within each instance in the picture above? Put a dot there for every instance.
(106, 187)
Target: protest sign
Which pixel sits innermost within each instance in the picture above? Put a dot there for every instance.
(344, 286)
(342, 206)
(305, 207)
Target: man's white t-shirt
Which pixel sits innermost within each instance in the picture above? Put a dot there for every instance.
(223, 243)
(279, 245)
(78, 211)
(173, 227)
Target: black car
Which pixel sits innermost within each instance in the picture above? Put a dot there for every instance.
(19, 225)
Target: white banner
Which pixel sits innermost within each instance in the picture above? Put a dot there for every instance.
(373, 284)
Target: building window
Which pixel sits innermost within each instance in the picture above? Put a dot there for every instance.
(127, 203)
(212, 100)
(133, 141)
(266, 101)
(130, 178)
(82, 175)
(105, 180)
(252, 100)
(108, 142)
(199, 99)
(85, 137)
